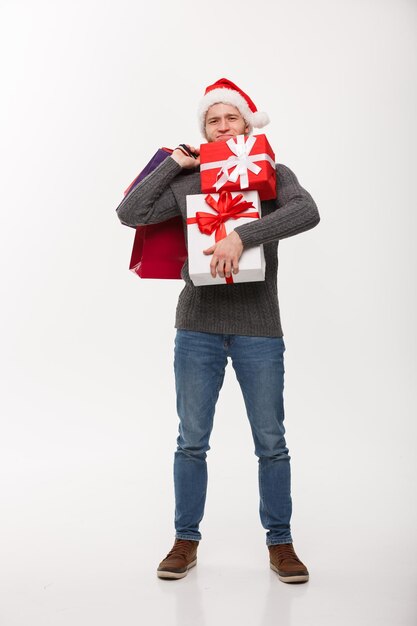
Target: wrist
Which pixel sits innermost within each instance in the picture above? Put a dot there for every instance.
(237, 237)
(177, 158)
(241, 238)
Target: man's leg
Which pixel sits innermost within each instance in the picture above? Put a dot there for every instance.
(200, 362)
(259, 366)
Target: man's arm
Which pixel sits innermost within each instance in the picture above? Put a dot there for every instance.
(296, 212)
(152, 200)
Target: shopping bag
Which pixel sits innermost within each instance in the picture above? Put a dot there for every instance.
(159, 250)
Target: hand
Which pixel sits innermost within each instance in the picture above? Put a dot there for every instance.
(184, 160)
(226, 254)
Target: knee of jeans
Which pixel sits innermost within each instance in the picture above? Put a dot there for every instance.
(272, 458)
(196, 449)
(276, 452)
(273, 448)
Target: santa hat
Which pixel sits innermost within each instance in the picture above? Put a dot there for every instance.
(226, 92)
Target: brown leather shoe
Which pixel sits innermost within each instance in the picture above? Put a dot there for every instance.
(179, 559)
(284, 561)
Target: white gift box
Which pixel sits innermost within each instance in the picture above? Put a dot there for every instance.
(252, 261)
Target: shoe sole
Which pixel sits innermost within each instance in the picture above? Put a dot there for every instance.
(175, 575)
(297, 578)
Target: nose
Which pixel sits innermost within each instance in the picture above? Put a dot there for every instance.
(224, 124)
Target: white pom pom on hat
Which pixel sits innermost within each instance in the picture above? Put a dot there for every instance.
(226, 92)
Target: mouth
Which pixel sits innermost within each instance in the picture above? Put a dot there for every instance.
(223, 137)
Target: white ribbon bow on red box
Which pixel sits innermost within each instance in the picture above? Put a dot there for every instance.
(241, 160)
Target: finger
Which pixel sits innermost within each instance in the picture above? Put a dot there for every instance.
(228, 268)
(235, 264)
(193, 152)
(209, 250)
(220, 268)
(213, 266)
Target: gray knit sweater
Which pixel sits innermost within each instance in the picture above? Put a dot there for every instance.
(239, 308)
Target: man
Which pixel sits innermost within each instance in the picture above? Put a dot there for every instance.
(239, 320)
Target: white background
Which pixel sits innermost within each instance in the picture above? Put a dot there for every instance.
(89, 91)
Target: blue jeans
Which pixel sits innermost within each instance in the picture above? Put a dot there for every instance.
(199, 363)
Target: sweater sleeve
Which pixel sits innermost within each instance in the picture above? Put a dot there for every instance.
(295, 212)
(152, 200)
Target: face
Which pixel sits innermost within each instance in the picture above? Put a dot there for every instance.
(224, 121)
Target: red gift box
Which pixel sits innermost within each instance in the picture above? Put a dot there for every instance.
(241, 163)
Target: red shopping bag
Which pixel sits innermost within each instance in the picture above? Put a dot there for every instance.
(159, 250)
